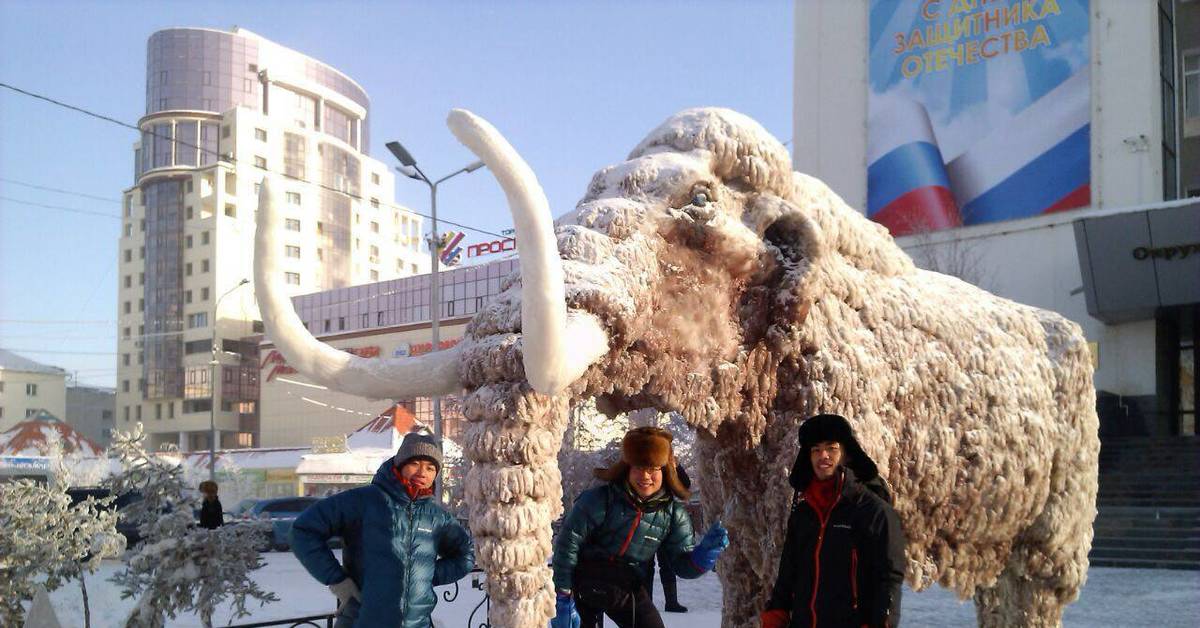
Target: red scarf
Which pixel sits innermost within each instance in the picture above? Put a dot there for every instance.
(414, 491)
(822, 494)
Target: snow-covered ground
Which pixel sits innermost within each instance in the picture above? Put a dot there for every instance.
(1113, 597)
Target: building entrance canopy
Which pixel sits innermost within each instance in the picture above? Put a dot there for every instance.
(1137, 262)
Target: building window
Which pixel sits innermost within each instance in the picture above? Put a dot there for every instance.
(291, 224)
(189, 186)
(292, 278)
(230, 210)
(320, 255)
(30, 412)
(171, 410)
(125, 385)
(374, 227)
(293, 198)
(198, 319)
(257, 189)
(128, 307)
(378, 318)
(365, 320)
(128, 229)
(292, 251)
(128, 255)
(125, 359)
(375, 203)
(225, 131)
(141, 279)
(320, 228)
(260, 162)
(203, 237)
(327, 325)
(126, 332)
(141, 305)
(31, 390)
(375, 178)
(203, 265)
(188, 241)
(137, 411)
(374, 277)
(204, 294)
(187, 296)
(190, 213)
(1191, 84)
(341, 323)
(128, 281)
(158, 412)
(187, 269)
(126, 413)
(260, 135)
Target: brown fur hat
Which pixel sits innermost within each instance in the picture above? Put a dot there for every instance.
(647, 447)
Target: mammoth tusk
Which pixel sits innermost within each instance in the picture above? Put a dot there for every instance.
(550, 366)
(434, 373)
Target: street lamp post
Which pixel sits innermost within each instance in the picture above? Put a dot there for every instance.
(410, 169)
(213, 364)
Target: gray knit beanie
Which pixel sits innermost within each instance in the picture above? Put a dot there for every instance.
(418, 445)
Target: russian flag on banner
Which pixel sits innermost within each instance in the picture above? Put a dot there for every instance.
(908, 190)
(1038, 163)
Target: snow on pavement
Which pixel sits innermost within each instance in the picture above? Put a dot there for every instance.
(1113, 597)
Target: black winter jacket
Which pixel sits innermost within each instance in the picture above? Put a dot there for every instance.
(211, 514)
(845, 571)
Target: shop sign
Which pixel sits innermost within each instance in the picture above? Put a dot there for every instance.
(1181, 251)
(279, 365)
(337, 478)
(24, 463)
(421, 348)
(281, 475)
(329, 444)
(495, 246)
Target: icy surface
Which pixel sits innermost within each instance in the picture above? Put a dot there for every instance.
(1129, 598)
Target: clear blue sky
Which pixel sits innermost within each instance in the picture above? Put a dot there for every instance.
(573, 85)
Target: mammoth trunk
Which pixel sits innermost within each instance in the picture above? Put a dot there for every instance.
(514, 492)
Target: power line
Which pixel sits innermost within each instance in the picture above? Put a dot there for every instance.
(59, 207)
(233, 160)
(59, 190)
(46, 321)
(53, 351)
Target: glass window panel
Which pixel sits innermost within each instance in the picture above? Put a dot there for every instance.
(185, 142)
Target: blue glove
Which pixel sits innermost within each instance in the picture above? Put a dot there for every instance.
(714, 542)
(565, 615)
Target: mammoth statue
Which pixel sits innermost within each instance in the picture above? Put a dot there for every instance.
(703, 276)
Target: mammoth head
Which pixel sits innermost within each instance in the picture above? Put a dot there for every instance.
(675, 283)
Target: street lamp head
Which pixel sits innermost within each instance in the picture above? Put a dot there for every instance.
(403, 155)
(409, 172)
(473, 166)
(243, 282)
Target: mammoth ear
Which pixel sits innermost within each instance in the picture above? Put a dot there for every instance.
(802, 312)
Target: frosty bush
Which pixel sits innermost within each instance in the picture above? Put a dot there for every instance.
(180, 567)
(44, 540)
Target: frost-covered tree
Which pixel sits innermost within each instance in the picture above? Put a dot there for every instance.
(179, 567)
(591, 441)
(44, 540)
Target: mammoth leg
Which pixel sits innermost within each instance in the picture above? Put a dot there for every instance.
(742, 486)
(1048, 564)
(514, 492)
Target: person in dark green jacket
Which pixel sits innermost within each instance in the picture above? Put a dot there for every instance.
(613, 529)
(398, 542)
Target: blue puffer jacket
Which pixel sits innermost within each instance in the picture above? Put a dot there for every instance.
(396, 549)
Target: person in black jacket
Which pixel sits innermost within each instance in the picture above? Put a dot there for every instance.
(843, 557)
(212, 516)
(666, 571)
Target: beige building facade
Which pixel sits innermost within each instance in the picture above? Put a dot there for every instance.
(27, 387)
(224, 109)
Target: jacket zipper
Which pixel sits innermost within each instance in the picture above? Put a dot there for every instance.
(854, 576)
(408, 563)
(812, 605)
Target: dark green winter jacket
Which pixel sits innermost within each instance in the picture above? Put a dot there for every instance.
(396, 549)
(607, 523)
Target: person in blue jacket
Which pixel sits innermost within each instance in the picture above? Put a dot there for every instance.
(398, 542)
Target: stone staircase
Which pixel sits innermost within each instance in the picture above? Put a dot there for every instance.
(1149, 503)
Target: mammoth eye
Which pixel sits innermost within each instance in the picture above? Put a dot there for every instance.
(700, 199)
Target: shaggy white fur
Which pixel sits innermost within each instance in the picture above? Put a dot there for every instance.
(748, 297)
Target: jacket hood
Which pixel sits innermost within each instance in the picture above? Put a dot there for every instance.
(831, 427)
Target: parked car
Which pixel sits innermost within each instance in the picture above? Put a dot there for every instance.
(281, 512)
(127, 528)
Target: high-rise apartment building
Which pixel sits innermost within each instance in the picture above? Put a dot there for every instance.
(223, 110)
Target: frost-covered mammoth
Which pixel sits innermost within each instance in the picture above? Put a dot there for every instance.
(703, 276)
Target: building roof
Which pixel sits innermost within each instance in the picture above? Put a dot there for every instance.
(31, 437)
(10, 361)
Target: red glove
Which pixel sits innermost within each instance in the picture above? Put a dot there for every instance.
(777, 618)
